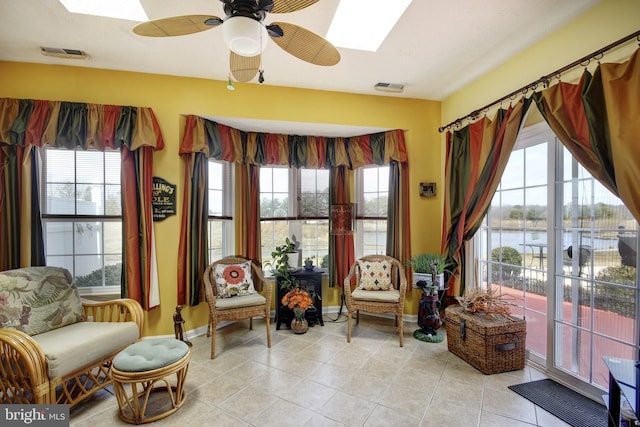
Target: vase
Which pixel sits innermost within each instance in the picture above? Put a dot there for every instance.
(293, 258)
(299, 323)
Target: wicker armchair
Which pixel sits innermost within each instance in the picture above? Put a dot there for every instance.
(237, 307)
(69, 363)
(375, 301)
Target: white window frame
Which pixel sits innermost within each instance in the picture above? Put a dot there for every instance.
(226, 217)
(294, 219)
(77, 220)
(361, 218)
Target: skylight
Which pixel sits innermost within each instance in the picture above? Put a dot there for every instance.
(364, 24)
(121, 9)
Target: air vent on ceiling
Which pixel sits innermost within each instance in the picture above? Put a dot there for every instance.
(389, 87)
(63, 53)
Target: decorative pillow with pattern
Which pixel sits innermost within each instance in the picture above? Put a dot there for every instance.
(233, 279)
(375, 275)
(38, 299)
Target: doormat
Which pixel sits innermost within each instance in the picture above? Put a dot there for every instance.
(571, 407)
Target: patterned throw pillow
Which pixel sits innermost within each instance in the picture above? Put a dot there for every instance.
(38, 299)
(234, 279)
(375, 276)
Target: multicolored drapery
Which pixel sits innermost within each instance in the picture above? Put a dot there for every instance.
(251, 148)
(25, 124)
(398, 221)
(341, 246)
(222, 142)
(250, 215)
(598, 120)
(193, 244)
(476, 157)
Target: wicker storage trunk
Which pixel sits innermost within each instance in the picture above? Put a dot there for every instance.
(490, 345)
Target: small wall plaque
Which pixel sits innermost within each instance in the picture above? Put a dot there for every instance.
(164, 199)
(427, 189)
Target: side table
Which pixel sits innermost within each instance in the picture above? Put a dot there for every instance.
(310, 281)
(624, 376)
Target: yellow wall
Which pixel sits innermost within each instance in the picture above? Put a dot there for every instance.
(170, 97)
(601, 25)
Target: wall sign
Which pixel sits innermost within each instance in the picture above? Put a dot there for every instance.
(164, 199)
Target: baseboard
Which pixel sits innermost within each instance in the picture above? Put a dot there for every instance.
(331, 310)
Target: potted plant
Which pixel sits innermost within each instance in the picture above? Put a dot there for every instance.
(308, 264)
(286, 255)
(285, 259)
(425, 265)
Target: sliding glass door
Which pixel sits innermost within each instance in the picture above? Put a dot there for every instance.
(514, 257)
(563, 250)
(595, 282)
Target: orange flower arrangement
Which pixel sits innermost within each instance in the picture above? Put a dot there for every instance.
(297, 299)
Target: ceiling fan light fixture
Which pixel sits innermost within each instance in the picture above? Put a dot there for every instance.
(244, 36)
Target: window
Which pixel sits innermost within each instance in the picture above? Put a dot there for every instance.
(564, 250)
(295, 202)
(82, 216)
(372, 195)
(220, 224)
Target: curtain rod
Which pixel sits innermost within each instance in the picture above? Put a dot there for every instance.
(544, 79)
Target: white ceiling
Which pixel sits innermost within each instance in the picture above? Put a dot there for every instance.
(436, 48)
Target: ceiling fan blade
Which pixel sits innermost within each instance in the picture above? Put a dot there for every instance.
(306, 45)
(286, 6)
(244, 68)
(177, 25)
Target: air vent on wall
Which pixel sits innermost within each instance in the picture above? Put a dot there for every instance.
(63, 53)
(389, 87)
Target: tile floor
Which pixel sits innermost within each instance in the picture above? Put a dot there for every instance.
(318, 379)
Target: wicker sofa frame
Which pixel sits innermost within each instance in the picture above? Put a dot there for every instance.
(24, 370)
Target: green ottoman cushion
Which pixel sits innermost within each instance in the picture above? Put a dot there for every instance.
(151, 354)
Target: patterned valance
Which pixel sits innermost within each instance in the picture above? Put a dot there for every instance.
(314, 152)
(27, 122)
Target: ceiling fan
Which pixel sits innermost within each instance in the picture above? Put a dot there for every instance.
(246, 35)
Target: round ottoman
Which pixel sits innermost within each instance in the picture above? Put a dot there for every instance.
(146, 367)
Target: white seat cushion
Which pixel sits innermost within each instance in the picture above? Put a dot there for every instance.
(74, 346)
(377, 296)
(241, 301)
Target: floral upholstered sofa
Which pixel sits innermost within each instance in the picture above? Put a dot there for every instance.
(55, 347)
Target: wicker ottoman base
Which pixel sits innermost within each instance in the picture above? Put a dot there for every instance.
(144, 368)
(489, 345)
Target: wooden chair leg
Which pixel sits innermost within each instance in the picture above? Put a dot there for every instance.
(348, 326)
(267, 321)
(401, 328)
(213, 339)
(251, 323)
(209, 326)
(357, 317)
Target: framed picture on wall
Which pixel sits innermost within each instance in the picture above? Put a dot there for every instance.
(341, 219)
(427, 189)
